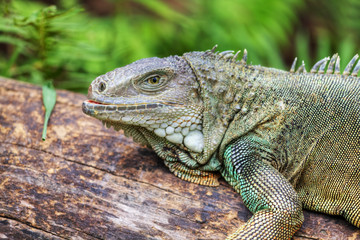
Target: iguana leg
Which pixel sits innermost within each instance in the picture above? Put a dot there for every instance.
(274, 202)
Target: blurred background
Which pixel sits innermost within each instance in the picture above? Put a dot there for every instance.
(70, 42)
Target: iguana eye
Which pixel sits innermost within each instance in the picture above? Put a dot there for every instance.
(153, 80)
(151, 83)
(102, 86)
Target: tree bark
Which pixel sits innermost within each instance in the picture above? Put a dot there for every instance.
(89, 182)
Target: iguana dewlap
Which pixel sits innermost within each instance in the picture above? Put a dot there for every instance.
(283, 140)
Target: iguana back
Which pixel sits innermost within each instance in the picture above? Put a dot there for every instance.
(318, 143)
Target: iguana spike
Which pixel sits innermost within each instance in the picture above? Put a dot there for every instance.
(301, 69)
(316, 66)
(350, 65)
(223, 53)
(304, 69)
(337, 65)
(236, 55)
(227, 54)
(323, 66)
(214, 48)
(292, 69)
(331, 65)
(244, 58)
(356, 69)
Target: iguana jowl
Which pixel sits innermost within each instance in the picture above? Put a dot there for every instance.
(283, 140)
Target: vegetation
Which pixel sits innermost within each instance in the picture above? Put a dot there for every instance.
(70, 43)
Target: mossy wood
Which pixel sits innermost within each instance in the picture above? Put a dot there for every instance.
(89, 182)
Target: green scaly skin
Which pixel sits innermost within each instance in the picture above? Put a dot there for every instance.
(284, 140)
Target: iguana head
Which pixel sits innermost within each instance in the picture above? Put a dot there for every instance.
(179, 106)
(156, 95)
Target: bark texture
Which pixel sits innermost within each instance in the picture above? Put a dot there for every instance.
(89, 182)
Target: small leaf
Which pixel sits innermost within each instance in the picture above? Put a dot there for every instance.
(49, 100)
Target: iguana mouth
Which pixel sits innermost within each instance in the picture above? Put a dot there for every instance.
(99, 106)
(95, 108)
(94, 102)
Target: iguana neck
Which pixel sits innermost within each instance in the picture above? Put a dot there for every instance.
(227, 87)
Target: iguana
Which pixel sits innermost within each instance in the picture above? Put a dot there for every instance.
(283, 140)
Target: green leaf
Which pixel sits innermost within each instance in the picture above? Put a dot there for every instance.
(49, 100)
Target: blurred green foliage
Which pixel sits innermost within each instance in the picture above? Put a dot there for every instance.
(71, 43)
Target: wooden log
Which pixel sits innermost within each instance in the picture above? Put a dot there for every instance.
(89, 182)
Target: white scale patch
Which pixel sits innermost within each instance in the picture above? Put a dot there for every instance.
(160, 132)
(195, 141)
(186, 130)
(191, 137)
(175, 138)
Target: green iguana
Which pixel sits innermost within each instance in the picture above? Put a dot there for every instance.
(284, 140)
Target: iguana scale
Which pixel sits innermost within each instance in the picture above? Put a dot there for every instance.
(284, 140)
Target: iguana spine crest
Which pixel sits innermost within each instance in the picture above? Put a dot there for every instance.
(332, 65)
